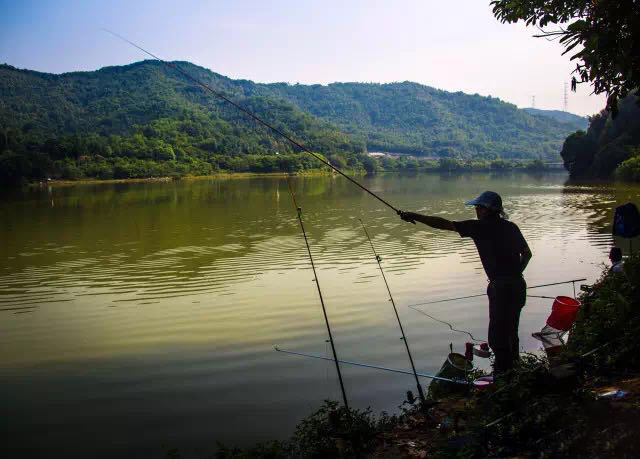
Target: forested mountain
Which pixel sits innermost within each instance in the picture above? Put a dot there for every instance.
(608, 145)
(146, 119)
(412, 118)
(577, 122)
(149, 99)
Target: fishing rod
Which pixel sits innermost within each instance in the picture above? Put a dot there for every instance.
(376, 367)
(573, 281)
(324, 309)
(395, 309)
(254, 117)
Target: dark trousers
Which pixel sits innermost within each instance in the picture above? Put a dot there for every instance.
(507, 296)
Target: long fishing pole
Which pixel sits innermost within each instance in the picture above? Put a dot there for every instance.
(483, 294)
(395, 309)
(376, 367)
(324, 309)
(254, 117)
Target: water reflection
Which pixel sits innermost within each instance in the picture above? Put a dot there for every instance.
(159, 303)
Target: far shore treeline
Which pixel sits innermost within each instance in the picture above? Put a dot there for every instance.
(145, 120)
(610, 146)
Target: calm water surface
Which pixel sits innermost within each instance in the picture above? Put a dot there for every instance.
(140, 317)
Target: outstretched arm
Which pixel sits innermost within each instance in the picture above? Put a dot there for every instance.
(429, 220)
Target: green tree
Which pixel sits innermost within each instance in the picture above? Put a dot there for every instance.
(370, 165)
(577, 153)
(604, 34)
(449, 164)
(629, 169)
(338, 161)
(607, 143)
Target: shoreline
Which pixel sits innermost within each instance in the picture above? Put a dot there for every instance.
(222, 175)
(247, 175)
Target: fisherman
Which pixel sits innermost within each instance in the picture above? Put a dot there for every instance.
(504, 254)
(615, 255)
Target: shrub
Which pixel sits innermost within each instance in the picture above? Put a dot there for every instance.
(70, 172)
(331, 431)
(629, 169)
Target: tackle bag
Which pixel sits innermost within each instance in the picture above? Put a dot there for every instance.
(626, 221)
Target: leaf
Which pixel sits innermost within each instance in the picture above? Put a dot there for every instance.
(570, 47)
(578, 26)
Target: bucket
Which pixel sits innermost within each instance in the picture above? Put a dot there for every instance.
(455, 367)
(563, 313)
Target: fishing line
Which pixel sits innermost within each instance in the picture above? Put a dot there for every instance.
(254, 117)
(393, 303)
(449, 325)
(317, 281)
(377, 367)
(483, 294)
(411, 306)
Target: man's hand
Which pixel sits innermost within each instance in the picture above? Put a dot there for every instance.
(433, 222)
(408, 216)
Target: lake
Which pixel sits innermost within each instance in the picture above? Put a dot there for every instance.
(141, 317)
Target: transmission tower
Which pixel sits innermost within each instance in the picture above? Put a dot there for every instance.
(533, 101)
(566, 97)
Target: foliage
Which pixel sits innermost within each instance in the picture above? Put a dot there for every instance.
(331, 431)
(607, 143)
(410, 118)
(629, 169)
(610, 317)
(536, 165)
(145, 112)
(579, 122)
(578, 152)
(604, 34)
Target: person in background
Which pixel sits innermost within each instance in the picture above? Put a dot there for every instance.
(615, 255)
(504, 254)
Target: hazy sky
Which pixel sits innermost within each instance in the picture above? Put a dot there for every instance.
(455, 45)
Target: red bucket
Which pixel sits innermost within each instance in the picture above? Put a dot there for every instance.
(563, 313)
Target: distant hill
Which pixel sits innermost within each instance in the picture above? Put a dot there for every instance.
(134, 98)
(578, 122)
(413, 118)
(148, 112)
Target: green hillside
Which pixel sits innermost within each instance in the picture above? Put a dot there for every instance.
(577, 122)
(145, 119)
(137, 98)
(412, 118)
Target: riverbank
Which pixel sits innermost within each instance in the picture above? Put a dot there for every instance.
(221, 175)
(115, 170)
(558, 408)
(245, 175)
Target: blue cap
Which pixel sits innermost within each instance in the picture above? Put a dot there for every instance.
(489, 199)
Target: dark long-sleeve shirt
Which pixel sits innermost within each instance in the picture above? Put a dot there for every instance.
(499, 242)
